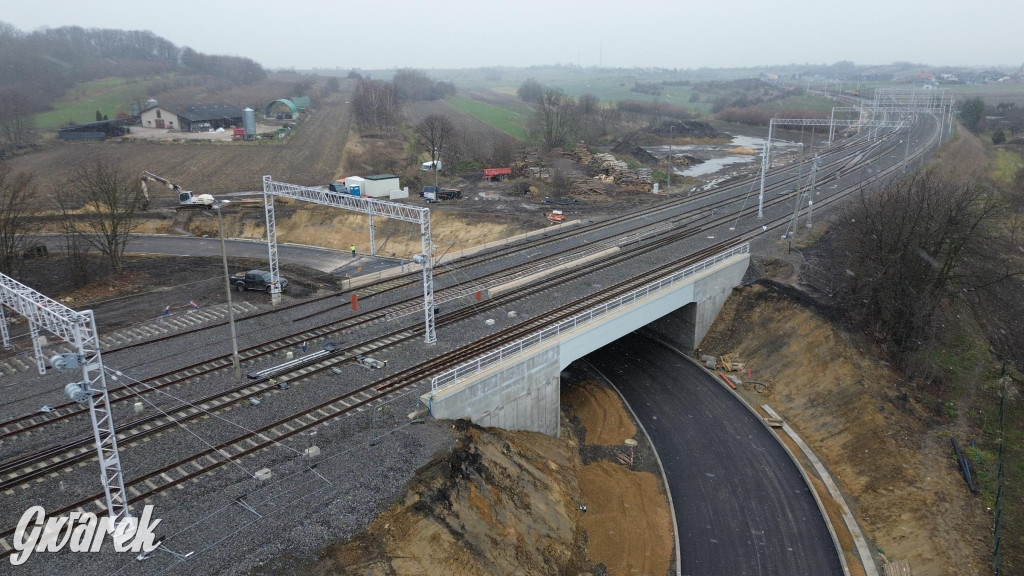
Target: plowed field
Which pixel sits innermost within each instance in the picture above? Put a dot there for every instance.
(311, 157)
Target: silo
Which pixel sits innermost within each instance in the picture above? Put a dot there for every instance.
(249, 123)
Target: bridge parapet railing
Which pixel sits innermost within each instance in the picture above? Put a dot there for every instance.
(514, 349)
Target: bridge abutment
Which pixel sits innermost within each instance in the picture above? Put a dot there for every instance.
(686, 326)
(523, 395)
(520, 389)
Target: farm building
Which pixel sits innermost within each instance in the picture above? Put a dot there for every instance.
(286, 108)
(192, 117)
(95, 130)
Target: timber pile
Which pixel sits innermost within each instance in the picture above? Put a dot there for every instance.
(581, 154)
(580, 186)
(640, 179)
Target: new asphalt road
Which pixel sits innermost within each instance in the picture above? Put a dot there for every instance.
(741, 505)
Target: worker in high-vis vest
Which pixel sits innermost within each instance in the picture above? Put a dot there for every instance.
(353, 249)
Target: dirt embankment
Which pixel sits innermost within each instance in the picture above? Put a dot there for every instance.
(890, 457)
(499, 503)
(505, 502)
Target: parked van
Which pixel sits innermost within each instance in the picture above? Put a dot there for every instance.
(429, 166)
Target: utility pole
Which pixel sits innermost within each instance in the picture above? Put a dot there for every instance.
(668, 185)
(227, 290)
(437, 158)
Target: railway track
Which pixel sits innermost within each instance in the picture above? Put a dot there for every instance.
(174, 474)
(34, 421)
(26, 468)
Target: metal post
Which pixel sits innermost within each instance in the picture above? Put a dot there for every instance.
(430, 336)
(906, 151)
(34, 334)
(79, 330)
(831, 126)
(227, 292)
(760, 197)
(3, 330)
(810, 209)
(372, 249)
(765, 161)
(668, 184)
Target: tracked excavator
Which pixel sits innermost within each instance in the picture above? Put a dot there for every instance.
(186, 199)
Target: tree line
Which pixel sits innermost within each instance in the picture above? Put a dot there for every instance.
(562, 120)
(376, 104)
(916, 254)
(99, 207)
(39, 67)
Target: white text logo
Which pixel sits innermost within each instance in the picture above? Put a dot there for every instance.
(83, 531)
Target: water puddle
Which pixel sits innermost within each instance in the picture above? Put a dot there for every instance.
(740, 152)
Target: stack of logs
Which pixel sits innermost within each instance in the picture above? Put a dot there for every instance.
(640, 179)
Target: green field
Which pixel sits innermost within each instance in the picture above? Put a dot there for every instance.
(511, 120)
(80, 103)
(1005, 166)
(802, 102)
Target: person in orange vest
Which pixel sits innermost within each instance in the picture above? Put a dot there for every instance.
(352, 247)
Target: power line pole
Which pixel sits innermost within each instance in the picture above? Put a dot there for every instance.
(227, 290)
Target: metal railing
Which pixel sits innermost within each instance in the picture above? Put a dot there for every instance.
(514, 349)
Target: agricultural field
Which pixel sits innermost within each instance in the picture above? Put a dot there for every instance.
(109, 96)
(512, 121)
(802, 102)
(311, 156)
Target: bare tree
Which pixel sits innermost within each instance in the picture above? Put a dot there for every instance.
(375, 104)
(98, 204)
(15, 121)
(15, 190)
(557, 117)
(436, 132)
(913, 246)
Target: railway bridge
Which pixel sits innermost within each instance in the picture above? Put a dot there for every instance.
(517, 386)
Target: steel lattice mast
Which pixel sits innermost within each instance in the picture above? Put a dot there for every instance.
(79, 330)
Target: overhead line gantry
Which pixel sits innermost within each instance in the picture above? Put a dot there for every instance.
(369, 206)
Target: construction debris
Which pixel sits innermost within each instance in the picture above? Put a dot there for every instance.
(730, 363)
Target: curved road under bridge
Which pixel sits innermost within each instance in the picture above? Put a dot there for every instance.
(742, 507)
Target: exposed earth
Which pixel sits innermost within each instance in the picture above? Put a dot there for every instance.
(889, 454)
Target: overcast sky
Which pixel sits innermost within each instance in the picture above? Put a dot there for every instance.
(371, 34)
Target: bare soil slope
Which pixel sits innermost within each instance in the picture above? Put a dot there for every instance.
(505, 502)
(500, 503)
(890, 457)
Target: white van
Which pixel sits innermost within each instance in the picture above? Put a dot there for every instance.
(429, 166)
